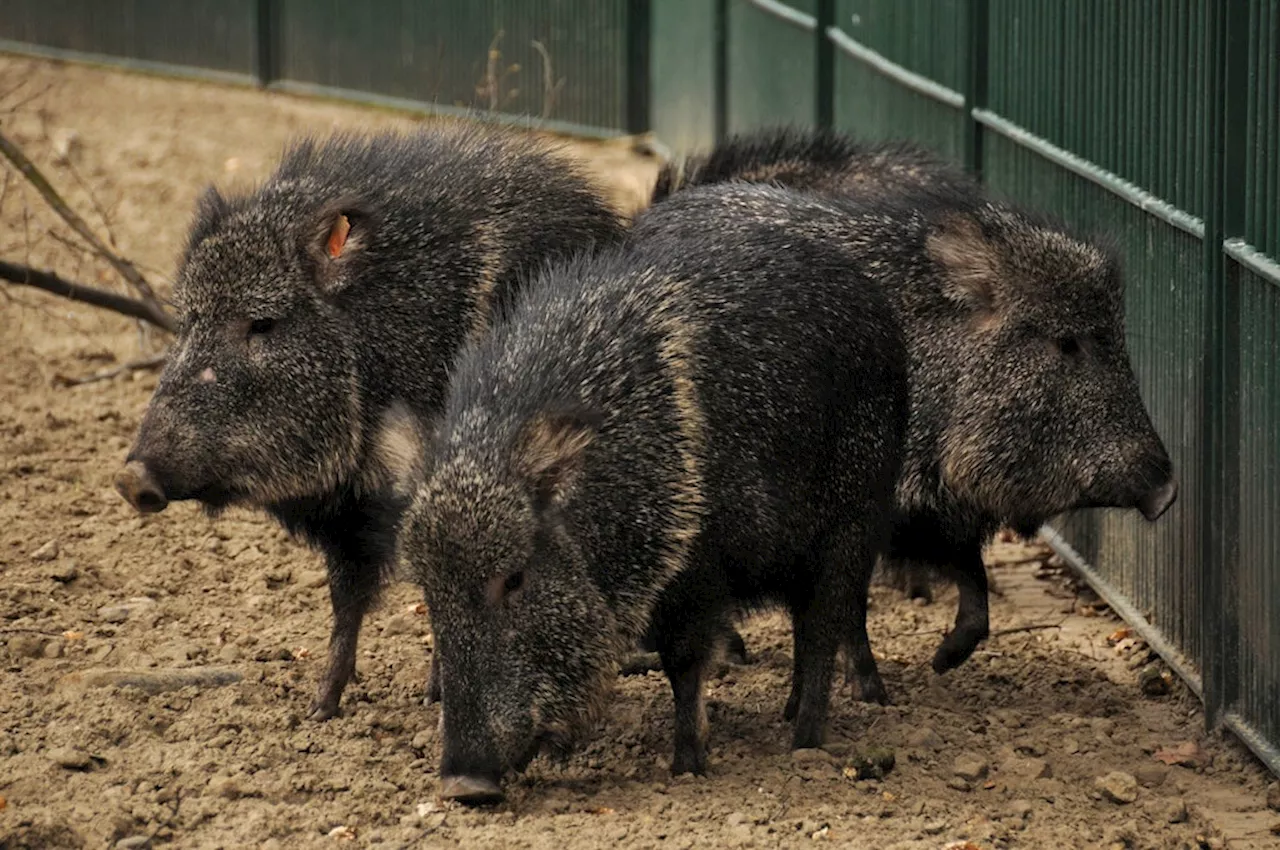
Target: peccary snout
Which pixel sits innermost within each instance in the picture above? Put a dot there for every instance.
(140, 488)
(1156, 501)
(471, 790)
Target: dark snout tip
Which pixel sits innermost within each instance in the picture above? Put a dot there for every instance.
(471, 790)
(139, 488)
(1154, 504)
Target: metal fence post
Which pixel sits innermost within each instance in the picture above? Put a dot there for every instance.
(825, 66)
(1226, 90)
(975, 89)
(721, 86)
(639, 29)
(266, 57)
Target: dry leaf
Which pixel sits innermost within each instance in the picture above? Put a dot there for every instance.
(600, 810)
(302, 652)
(73, 635)
(343, 833)
(3, 803)
(962, 845)
(1119, 635)
(989, 784)
(420, 609)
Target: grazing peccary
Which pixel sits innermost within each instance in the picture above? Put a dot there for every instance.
(661, 433)
(1023, 400)
(348, 279)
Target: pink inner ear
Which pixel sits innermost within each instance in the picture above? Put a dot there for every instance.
(338, 236)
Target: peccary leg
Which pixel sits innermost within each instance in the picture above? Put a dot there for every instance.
(861, 663)
(352, 589)
(433, 682)
(817, 639)
(972, 625)
(685, 630)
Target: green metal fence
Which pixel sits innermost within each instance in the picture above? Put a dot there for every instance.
(574, 65)
(1155, 123)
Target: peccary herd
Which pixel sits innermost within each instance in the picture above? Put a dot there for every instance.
(447, 351)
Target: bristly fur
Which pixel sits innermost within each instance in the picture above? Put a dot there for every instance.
(1024, 403)
(707, 417)
(341, 286)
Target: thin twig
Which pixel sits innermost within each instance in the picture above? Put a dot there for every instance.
(1020, 629)
(550, 85)
(50, 282)
(153, 362)
(126, 269)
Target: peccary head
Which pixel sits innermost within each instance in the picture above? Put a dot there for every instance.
(526, 641)
(261, 397)
(350, 277)
(1045, 413)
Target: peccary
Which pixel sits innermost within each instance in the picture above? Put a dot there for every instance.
(1023, 400)
(348, 279)
(649, 437)
(820, 160)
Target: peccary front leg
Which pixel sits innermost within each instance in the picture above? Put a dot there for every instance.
(685, 630)
(433, 682)
(352, 590)
(861, 663)
(972, 625)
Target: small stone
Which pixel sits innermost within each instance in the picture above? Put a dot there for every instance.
(313, 578)
(1178, 812)
(1020, 809)
(134, 842)
(958, 784)
(55, 648)
(1153, 681)
(64, 573)
(399, 624)
(1118, 787)
(47, 552)
(65, 145)
(874, 762)
(229, 654)
(423, 740)
(70, 758)
(1151, 775)
(1022, 770)
(970, 766)
(27, 646)
(925, 738)
(810, 756)
(227, 787)
(1070, 746)
(934, 827)
(839, 749)
(1273, 796)
(123, 611)
(735, 818)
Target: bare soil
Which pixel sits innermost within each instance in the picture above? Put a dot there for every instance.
(225, 622)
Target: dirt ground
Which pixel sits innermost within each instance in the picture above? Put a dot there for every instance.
(225, 622)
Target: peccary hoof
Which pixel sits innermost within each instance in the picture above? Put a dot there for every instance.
(471, 790)
(956, 649)
(735, 649)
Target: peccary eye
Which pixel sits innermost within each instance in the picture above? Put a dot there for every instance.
(1068, 345)
(261, 326)
(513, 583)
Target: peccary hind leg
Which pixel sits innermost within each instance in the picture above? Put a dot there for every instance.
(972, 626)
(685, 628)
(352, 590)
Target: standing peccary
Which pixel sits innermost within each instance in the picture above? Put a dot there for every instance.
(661, 433)
(1023, 400)
(350, 278)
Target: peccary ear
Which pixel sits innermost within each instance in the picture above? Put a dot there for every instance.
(550, 448)
(401, 450)
(211, 210)
(340, 234)
(970, 261)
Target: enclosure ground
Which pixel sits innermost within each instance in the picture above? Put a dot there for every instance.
(1005, 752)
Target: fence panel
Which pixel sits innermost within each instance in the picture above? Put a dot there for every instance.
(217, 35)
(560, 60)
(770, 63)
(877, 101)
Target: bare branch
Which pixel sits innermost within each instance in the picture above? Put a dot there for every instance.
(28, 169)
(155, 361)
(550, 85)
(50, 282)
